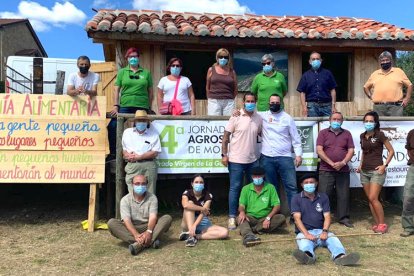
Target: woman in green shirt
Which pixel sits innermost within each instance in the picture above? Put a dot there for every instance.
(268, 82)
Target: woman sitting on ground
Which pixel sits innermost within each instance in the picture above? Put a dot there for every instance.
(196, 224)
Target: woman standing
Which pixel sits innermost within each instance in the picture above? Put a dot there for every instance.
(372, 169)
(133, 91)
(221, 87)
(168, 84)
(268, 82)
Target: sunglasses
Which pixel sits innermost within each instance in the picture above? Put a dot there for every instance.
(176, 65)
(225, 57)
(133, 77)
(266, 63)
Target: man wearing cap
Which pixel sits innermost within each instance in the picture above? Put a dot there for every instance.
(312, 217)
(385, 87)
(139, 225)
(141, 145)
(259, 208)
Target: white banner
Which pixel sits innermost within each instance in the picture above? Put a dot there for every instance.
(195, 146)
(396, 132)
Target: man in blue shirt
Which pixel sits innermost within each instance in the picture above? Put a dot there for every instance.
(312, 216)
(317, 89)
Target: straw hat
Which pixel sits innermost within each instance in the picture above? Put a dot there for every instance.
(141, 115)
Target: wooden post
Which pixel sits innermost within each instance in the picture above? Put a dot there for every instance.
(93, 203)
(37, 75)
(120, 183)
(60, 81)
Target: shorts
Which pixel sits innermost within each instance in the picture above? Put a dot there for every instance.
(372, 177)
(204, 224)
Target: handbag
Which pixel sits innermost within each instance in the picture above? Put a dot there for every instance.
(174, 107)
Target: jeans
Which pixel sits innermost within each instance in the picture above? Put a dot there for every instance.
(319, 109)
(407, 217)
(283, 167)
(236, 172)
(333, 244)
(112, 126)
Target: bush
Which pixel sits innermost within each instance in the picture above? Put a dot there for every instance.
(405, 60)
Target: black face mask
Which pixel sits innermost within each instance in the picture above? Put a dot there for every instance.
(386, 66)
(84, 70)
(274, 107)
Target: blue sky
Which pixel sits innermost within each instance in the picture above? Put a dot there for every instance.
(60, 24)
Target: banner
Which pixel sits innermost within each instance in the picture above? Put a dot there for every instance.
(195, 146)
(396, 132)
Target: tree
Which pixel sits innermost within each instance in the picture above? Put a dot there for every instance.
(405, 60)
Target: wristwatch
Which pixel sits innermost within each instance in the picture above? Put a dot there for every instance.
(325, 230)
(223, 155)
(149, 231)
(268, 218)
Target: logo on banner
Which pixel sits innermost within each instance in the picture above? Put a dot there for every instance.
(306, 137)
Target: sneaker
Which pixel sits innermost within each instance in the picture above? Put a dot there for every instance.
(302, 257)
(191, 242)
(250, 240)
(135, 248)
(156, 244)
(350, 259)
(232, 224)
(406, 233)
(382, 228)
(184, 236)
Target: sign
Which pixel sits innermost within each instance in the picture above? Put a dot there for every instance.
(52, 139)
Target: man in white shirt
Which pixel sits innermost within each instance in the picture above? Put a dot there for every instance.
(83, 82)
(279, 134)
(141, 145)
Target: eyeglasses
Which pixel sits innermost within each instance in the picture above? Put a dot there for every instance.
(176, 65)
(132, 77)
(225, 57)
(266, 63)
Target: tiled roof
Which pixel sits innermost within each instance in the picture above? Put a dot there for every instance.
(6, 21)
(247, 25)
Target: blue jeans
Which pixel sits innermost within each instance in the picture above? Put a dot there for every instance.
(236, 173)
(333, 244)
(319, 109)
(112, 126)
(284, 167)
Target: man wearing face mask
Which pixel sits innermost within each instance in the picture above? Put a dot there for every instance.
(335, 148)
(141, 145)
(259, 208)
(312, 216)
(317, 89)
(139, 225)
(242, 155)
(385, 88)
(83, 82)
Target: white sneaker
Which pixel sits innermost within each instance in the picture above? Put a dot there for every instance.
(232, 224)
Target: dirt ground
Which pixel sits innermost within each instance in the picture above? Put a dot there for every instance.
(41, 234)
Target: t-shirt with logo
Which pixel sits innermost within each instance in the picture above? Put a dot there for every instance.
(372, 148)
(205, 196)
(311, 211)
(259, 205)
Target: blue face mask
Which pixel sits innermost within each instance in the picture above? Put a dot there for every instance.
(258, 181)
(316, 64)
(267, 68)
(141, 126)
(369, 126)
(133, 61)
(335, 125)
(198, 187)
(249, 107)
(309, 188)
(175, 71)
(223, 61)
(140, 189)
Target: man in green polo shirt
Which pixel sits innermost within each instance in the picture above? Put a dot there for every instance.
(268, 82)
(259, 208)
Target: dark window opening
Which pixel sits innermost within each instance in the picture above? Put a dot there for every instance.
(195, 66)
(338, 64)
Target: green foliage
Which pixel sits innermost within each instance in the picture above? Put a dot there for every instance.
(405, 61)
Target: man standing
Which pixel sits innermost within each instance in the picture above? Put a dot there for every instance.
(279, 136)
(139, 225)
(312, 219)
(335, 148)
(259, 208)
(141, 145)
(317, 89)
(407, 217)
(242, 155)
(385, 88)
(83, 82)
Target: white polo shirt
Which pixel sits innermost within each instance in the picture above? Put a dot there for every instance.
(279, 135)
(132, 141)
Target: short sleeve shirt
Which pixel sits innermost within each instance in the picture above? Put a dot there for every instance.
(317, 85)
(138, 212)
(87, 82)
(132, 141)
(410, 145)
(372, 149)
(263, 87)
(311, 211)
(168, 88)
(134, 87)
(335, 146)
(205, 196)
(259, 205)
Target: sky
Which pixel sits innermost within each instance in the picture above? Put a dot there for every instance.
(59, 24)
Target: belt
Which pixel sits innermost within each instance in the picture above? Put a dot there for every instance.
(321, 103)
(390, 103)
(141, 161)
